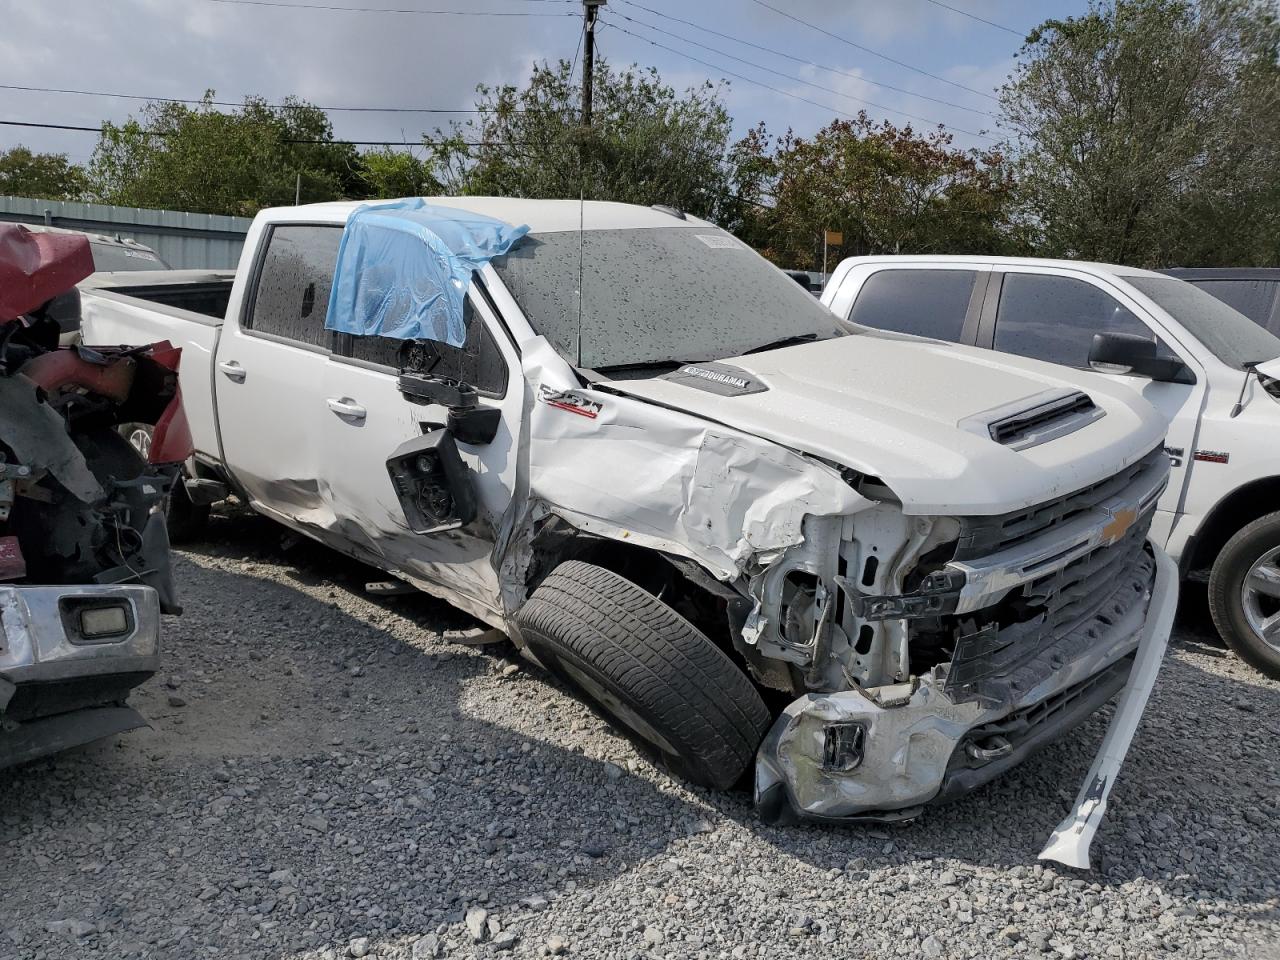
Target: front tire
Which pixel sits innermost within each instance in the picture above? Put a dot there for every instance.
(1244, 594)
(649, 671)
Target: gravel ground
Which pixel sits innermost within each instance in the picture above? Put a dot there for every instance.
(332, 775)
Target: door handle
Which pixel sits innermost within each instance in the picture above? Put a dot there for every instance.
(234, 372)
(346, 407)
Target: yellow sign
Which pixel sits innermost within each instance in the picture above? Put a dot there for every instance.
(834, 238)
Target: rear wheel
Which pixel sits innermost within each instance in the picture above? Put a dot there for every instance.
(649, 671)
(186, 521)
(1244, 594)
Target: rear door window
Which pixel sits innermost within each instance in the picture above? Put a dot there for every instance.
(292, 295)
(1055, 318)
(926, 303)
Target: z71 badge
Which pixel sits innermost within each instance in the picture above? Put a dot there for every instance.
(570, 402)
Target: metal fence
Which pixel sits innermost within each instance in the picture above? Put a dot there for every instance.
(184, 240)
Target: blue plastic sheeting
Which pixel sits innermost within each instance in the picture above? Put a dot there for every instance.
(403, 269)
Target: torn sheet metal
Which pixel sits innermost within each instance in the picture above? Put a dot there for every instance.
(631, 470)
(37, 266)
(403, 269)
(38, 437)
(1069, 843)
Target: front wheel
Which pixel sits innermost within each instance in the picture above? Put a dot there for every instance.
(186, 521)
(649, 671)
(1244, 594)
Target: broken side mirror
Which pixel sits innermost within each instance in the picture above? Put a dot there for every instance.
(432, 483)
(1128, 353)
(469, 422)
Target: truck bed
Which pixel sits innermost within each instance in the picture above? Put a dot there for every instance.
(185, 307)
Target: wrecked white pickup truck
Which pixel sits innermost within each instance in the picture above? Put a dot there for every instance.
(882, 569)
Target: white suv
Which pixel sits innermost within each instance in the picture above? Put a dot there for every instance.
(1214, 374)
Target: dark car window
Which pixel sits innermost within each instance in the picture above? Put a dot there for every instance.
(477, 362)
(292, 296)
(1055, 318)
(1256, 299)
(927, 303)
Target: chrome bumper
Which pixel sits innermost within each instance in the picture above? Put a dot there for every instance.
(59, 688)
(910, 734)
(42, 640)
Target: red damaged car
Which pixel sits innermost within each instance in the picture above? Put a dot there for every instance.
(84, 554)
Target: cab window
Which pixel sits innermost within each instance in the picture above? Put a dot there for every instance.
(291, 298)
(926, 303)
(478, 362)
(1055, 318)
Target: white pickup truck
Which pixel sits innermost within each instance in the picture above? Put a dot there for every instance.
(882, 570)
(1212, 373)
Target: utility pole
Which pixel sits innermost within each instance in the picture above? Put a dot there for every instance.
(590, 8)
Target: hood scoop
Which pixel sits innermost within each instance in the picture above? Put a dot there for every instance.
(1035, 420)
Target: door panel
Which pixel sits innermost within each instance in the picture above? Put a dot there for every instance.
(355, 450)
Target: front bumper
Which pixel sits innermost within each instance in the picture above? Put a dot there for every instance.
(59, 687)
(917, 746)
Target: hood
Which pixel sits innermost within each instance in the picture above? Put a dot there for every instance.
(916, 414)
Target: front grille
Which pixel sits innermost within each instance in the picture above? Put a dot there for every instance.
(982, 536)
(1049, 620)
(1002, 651)
(1018, 428)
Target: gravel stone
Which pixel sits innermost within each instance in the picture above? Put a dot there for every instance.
(274, 816)
(477, 924)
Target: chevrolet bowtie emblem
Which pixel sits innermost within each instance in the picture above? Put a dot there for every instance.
(1120, 523)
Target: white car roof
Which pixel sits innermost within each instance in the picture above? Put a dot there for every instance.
(541, 216)
(1086, 266)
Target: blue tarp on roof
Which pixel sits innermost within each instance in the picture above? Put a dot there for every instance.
(404, 266)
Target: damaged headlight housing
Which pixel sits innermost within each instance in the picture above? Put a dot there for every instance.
(843, 745)
(938, 594)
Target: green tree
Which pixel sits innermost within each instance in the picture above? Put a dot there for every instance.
(885, 189)
(1148, 132)
(231, 162)
(387, 173)
(647, 143)
(48, 176)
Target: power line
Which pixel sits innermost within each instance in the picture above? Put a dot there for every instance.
(338, 142)
(444, 13)
(787, 76)
(974, 16)
(874, 53)
(231, 103)
(784, 55)
(766, 86)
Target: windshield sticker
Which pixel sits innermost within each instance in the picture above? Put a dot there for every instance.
(139, 255)
(718, 378)
(717, 242)
(570, 402)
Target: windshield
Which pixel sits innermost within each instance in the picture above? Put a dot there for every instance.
(657, 295)
(1227, 333)
(108, 256)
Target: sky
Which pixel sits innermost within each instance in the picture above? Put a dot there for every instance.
(788, 74)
